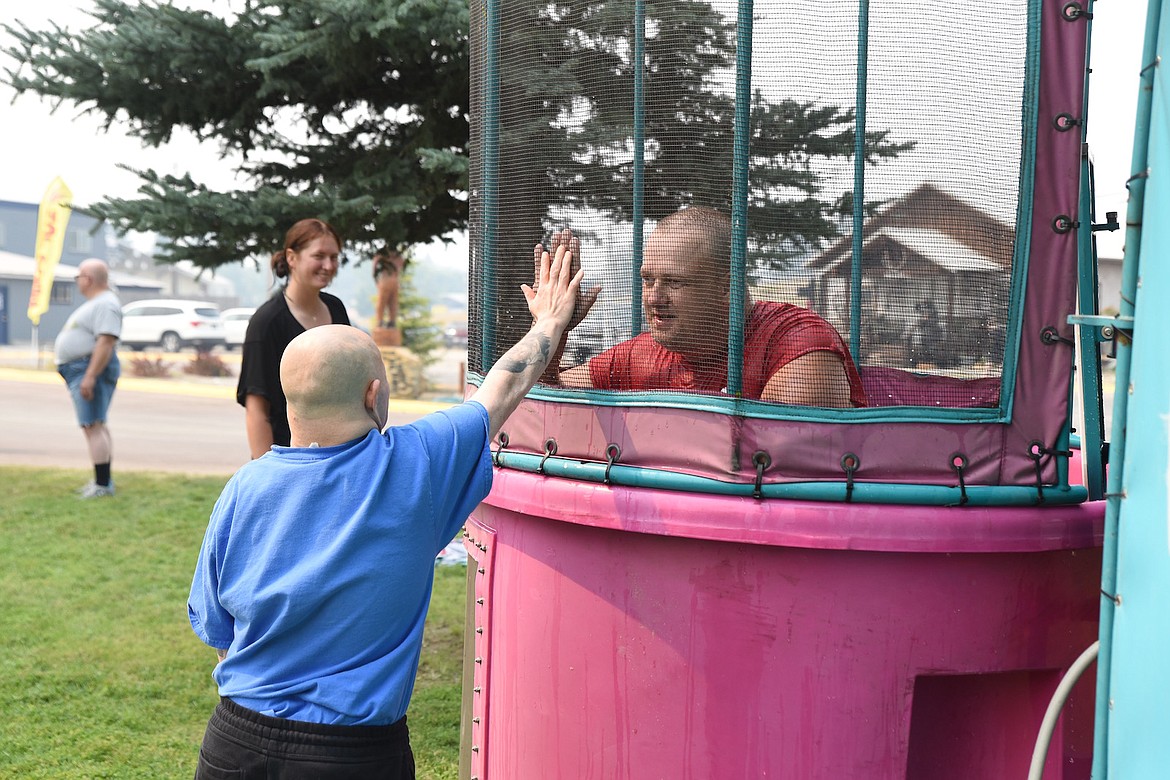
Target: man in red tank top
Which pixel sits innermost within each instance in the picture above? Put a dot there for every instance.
(791, 354)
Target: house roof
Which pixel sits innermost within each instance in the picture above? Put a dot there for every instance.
(14, 266)
(938, 248)
(930, 208)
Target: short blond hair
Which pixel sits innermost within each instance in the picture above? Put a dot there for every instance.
(708, 226)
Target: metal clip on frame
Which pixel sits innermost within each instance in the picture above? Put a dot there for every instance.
(503, 437)
(1049, 335)
(1074, 11)
(763, 462)
(958, 463)
(850, 463)
(612, 453)
(1036, 451)
(550, 449)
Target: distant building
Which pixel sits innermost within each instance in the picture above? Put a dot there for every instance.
(85, 236)
(935, 282)
(1109, 284)
(176, 280)
(134, 274)
(16, 275)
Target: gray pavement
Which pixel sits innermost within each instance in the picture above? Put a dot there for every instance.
(179, 424)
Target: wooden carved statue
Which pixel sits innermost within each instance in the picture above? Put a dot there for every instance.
(388, 266)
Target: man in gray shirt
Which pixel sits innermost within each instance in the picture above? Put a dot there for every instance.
(87, 360)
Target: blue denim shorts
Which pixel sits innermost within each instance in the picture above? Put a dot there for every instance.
(93, 410)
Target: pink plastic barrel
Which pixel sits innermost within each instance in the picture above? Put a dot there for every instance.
(622, 633)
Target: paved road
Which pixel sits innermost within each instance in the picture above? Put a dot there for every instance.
(158, 425)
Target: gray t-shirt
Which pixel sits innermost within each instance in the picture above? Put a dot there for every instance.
(100, 315)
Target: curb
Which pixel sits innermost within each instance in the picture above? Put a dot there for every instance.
(198, 389)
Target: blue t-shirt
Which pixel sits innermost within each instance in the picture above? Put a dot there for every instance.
(316, 570)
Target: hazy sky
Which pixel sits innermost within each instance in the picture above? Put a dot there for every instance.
(40, 144)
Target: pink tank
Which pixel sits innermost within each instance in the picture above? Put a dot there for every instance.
(622, 633)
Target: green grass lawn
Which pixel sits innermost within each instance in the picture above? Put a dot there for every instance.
(103, 677)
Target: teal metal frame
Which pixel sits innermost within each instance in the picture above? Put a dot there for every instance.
(1092, 438)
(859, 178)
(491, 178)
(1030, 110)
(732, 404)
(740, 182)
(759, 409)
(1115, 492)
(639, 164)
(836, 492)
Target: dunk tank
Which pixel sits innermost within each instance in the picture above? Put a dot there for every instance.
(693, 580)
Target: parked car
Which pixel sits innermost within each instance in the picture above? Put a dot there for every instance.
(235, 326)
(455, 336)
(171, 324)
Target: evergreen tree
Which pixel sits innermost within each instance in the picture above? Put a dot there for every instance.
(566, 100)
(350, 110)
(420, 334)
(357, 111)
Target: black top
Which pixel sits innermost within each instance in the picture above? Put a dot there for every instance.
(270, 330)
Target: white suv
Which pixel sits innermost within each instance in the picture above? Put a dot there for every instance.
(235, 325)
(171, 324)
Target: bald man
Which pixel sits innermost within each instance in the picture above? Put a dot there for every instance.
(87, 359)
(316, 570)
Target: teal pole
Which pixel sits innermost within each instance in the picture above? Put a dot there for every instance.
(859, 179)
(1129, 280)
(739, 197)
(1093, 435)
(639, 216)
(491, 183)
(836, 492)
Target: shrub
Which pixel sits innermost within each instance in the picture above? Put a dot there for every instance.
(207, 364)
(150, 368)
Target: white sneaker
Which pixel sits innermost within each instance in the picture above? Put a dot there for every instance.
(90, 486)
(94, 490)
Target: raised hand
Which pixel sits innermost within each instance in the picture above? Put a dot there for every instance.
(551, 299)
(556, 289)
(572, 245)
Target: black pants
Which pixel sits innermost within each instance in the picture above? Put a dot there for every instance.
(241, 744)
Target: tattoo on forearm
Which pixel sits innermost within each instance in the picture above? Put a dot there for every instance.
(532, 351)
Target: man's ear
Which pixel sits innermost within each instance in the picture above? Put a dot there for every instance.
(371, 399)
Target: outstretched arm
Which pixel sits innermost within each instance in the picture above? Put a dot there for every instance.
(552, 303)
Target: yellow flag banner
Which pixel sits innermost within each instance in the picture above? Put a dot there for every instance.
(51, 221)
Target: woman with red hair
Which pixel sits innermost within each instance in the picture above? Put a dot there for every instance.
(309, 261)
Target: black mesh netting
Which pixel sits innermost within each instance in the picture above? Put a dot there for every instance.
(943, 114)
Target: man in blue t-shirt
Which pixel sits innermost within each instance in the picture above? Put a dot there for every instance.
(315, 574)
